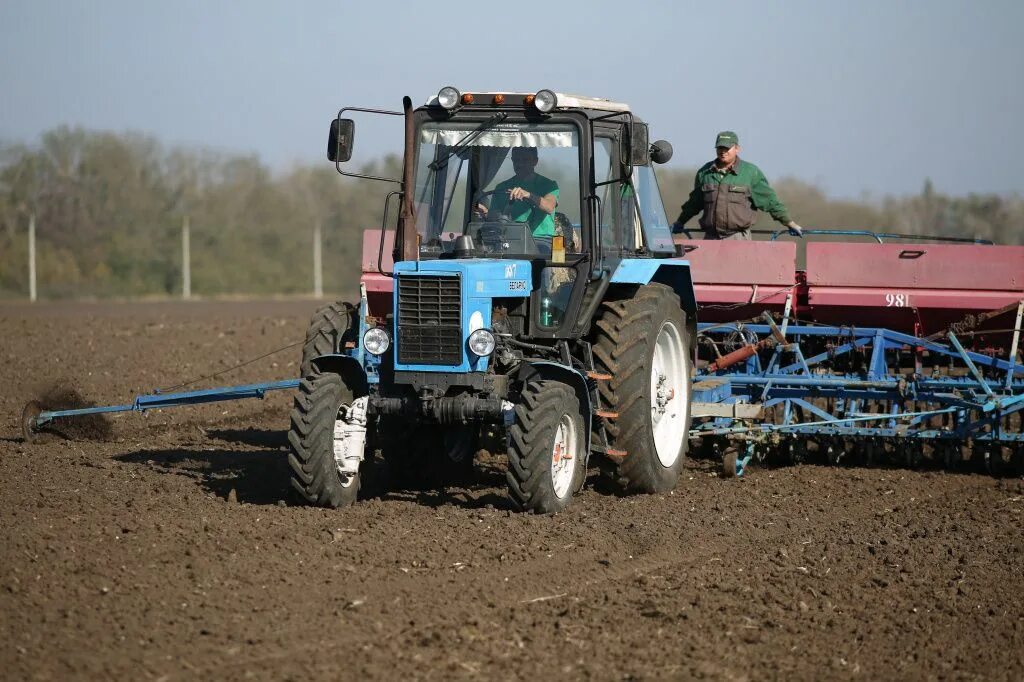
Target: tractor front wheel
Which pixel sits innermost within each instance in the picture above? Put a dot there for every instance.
(328, 330)
(315, 473)
(546, 454)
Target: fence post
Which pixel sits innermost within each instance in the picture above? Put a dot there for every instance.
(186, 260)
(318, 266)
(32, 257)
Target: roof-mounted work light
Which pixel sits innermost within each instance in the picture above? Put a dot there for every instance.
(448, 97)
(545, 101)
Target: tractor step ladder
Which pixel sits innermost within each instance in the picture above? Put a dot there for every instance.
(602, 443)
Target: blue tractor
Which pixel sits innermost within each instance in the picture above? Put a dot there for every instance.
(536, 298)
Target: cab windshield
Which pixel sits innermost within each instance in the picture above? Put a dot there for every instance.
(511, 187)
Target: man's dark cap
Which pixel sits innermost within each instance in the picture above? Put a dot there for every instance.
(727, 138)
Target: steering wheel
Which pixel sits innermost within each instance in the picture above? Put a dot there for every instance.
(492, 231)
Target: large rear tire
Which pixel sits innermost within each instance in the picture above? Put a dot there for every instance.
(644, 343)
(315, 475)
(546, 448)
(328, 330)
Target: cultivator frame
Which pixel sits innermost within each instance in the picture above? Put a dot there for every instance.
(855, 389)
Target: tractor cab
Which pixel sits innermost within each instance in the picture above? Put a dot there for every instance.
(562, 182)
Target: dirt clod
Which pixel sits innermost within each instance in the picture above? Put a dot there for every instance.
(85, 427)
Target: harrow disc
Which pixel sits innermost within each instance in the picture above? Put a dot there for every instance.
(797, 452)
(870, 454)
(951, 455)
(730, 463)
(29, 431)
(913, 455)
(993, 460)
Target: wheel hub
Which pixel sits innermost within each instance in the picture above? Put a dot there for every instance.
(669, 382)
(563, 453)
(663, 395)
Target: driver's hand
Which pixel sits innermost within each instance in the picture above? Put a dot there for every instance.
(480, 210)
(517, 193)
(795, 229)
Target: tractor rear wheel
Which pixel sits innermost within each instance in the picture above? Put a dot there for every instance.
(329, 328)
(644, 343)
(546, 457)
(315, 474)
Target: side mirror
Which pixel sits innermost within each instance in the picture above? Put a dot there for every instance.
(661, 152)
(340, 139)
(636, 144)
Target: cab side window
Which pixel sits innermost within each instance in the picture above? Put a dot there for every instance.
(606, 169)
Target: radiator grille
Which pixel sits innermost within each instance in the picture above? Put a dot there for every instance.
(429, 320)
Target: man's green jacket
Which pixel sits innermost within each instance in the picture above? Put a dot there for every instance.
(731, 197)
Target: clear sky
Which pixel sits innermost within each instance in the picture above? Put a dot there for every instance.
(864, 96)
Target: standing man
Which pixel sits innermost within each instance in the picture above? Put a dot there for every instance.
(730, 192)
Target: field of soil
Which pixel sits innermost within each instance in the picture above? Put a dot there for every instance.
(166, 546)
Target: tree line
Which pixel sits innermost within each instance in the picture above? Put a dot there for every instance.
(109, 207)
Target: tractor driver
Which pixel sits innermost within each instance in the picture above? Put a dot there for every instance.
(526, 197)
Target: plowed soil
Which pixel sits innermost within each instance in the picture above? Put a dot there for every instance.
(165, 546)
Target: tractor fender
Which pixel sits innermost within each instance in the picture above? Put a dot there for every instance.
(674, 272)
(348, 368)
(543, 369)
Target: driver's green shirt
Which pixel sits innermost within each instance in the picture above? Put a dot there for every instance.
(542, 224)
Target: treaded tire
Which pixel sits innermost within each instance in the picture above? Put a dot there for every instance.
(541, 410)
(315, 475)
(329, 327)
(626, 334)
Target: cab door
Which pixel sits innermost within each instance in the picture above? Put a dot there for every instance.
(613, 235)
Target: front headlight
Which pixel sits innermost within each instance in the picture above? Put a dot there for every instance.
(481, 342)
(376, 341)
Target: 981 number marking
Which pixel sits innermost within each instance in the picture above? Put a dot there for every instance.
(897, 300)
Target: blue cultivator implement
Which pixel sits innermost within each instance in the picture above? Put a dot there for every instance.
(863, 393)
(813, 372)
